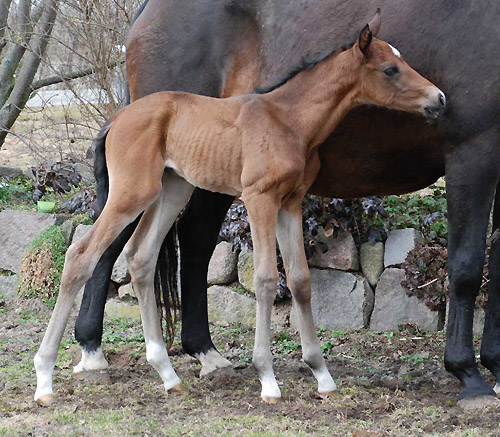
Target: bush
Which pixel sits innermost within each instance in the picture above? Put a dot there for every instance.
(42, 266)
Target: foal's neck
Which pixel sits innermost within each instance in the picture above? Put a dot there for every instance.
(314, 101)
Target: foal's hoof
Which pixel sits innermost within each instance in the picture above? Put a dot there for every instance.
(46, 400)
(479, 402)
(326, 394)
(270, 400)
(175, 389)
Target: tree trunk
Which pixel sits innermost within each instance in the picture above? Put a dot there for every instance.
(4, 14)
(22, 89)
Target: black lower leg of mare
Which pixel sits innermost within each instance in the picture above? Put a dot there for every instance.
(490, 348)
(472, 175)
(89, 324)
(198, 230)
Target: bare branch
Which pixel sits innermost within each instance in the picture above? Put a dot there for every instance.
(70, 76)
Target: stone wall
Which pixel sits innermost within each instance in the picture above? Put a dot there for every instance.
(351, 289)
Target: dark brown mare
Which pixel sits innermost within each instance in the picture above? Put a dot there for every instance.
(226, 47)
(262, 147)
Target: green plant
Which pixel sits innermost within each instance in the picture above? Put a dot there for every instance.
(285, 344)
(14, 191)
(42, 266)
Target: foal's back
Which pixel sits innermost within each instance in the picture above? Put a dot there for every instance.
(209, 142)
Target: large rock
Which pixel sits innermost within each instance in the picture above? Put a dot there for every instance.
(341, 255)
(17, 230)
(372, 261)
(399, 243)
(339, 300)
(393, 307)
(223, 265)
(117, 309)
(227, 306)
(245, 270)
(8, 287)
(120, 273)
(10, 172)
(126, 292)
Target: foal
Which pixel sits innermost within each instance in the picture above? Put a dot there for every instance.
(262, 147)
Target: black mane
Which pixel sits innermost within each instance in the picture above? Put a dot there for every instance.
(305, 64)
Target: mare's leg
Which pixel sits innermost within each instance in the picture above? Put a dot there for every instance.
(141, 253)
(89, 324)
(262, 212)
(291, 243)
(490, 348)
(472, 174)
(198, 230)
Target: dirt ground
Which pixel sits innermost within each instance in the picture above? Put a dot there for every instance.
(389, 384)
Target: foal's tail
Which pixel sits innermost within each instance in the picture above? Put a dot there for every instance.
(165, 283)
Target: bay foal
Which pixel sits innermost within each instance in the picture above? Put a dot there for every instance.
(262, 147)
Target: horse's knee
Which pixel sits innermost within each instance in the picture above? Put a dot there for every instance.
(466, 274)
(300, 284)
(265, 281)
(140, 266)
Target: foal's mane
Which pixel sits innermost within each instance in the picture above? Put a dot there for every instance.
(305, 64)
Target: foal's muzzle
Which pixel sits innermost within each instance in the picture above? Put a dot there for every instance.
(436, 107)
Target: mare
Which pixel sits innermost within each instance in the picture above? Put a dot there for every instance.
(262, 147)
(226, 47)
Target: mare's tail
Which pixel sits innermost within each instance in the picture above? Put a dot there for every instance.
(165, 283)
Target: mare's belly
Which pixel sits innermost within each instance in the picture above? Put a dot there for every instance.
(378, 152)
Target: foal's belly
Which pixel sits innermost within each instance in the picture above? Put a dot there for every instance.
(377, 152)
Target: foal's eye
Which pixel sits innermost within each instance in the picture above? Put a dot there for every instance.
(391, 71)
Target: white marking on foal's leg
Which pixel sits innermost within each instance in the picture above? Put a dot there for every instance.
(44, 368)
(211, 361)
(395, 51)
(157, 356)
(91, 360)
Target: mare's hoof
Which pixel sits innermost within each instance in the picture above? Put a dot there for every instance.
(270, 400)
(479, 402)
(46, 400)
(175, 389)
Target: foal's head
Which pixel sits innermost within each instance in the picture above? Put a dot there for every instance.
(387, 80)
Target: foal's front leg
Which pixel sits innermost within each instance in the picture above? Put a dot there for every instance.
(262, 212)
(291, 243)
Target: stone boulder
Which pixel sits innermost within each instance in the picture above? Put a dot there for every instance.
(8, 287)
(17, 230)
(393, 307)
(227, 306)
(126, 292)
(117, 309)
(222, 268)
(245, 270)
(120, 273)
(399, 243)
(339, 300)
(372, 261)
(10, 172)
(341, 255)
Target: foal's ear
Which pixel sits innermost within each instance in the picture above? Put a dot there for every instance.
(365, 38)
(375, 22)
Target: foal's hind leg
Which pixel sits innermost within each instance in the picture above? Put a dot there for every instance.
(142, 253)
(81, 259)
(291, 243)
